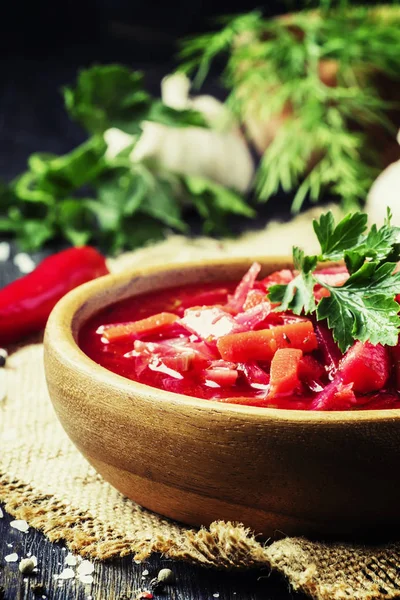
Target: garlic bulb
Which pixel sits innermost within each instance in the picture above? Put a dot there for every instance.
(385, 192)
(219, 153)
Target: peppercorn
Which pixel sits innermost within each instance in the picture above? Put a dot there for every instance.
(26, 566)
(166, 576)
(156, 586)
(38, 589)
(3, 357)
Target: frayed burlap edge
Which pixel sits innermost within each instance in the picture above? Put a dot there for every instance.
(223, 545)
(323, 571)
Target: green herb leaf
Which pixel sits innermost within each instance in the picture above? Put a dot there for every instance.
(361, 312)
(363, 308)
(336, 239)
(114, 96)
(298, 295)
(108, 96)
(76, 221)
(214, 202)
(313, 73)
(90, 195)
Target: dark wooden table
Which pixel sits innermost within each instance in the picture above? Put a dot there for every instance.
(32, 119)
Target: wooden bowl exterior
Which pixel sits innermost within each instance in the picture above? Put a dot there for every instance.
(196, 461)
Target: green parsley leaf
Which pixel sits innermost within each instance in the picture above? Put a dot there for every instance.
(213, 202)
(360, 313)
(90, 195)
(364, 307)
(113, 96)
(108, 96)
(336, 239)
(298, 295)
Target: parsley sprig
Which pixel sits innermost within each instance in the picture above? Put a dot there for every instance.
(364, 308)
(87, 196)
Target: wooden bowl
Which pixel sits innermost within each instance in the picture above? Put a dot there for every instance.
(196, 461)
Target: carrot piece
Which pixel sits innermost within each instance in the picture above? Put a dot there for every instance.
(154, 324)
(284, 371)
(262, 344)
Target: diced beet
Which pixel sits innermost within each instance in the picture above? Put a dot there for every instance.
(330, 351)
(395, 355)
(310, 369)
(285, 372)
(379, 401)
(366, 366)
(236, 302)
(335, 396)
(255, 375)
(210, 322)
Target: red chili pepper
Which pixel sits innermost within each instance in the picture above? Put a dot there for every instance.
(26, 303)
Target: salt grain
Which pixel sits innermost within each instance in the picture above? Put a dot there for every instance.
(4, 251)
(145, 572)
(10, 558)
(85, 568)
(66, 574)
(24, 262)
(1, 514)
(86, 579)
(70, 560)
(20, 524)
(216, 595)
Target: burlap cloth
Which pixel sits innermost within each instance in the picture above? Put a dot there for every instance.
(45, 480)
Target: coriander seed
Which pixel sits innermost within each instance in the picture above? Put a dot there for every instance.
(166, 576)
(26, 566)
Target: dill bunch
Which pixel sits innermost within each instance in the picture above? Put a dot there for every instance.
(313, 74)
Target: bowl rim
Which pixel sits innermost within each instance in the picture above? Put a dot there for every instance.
(59, 334)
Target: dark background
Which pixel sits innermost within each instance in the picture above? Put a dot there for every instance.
(149, 27)
(43, 44)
